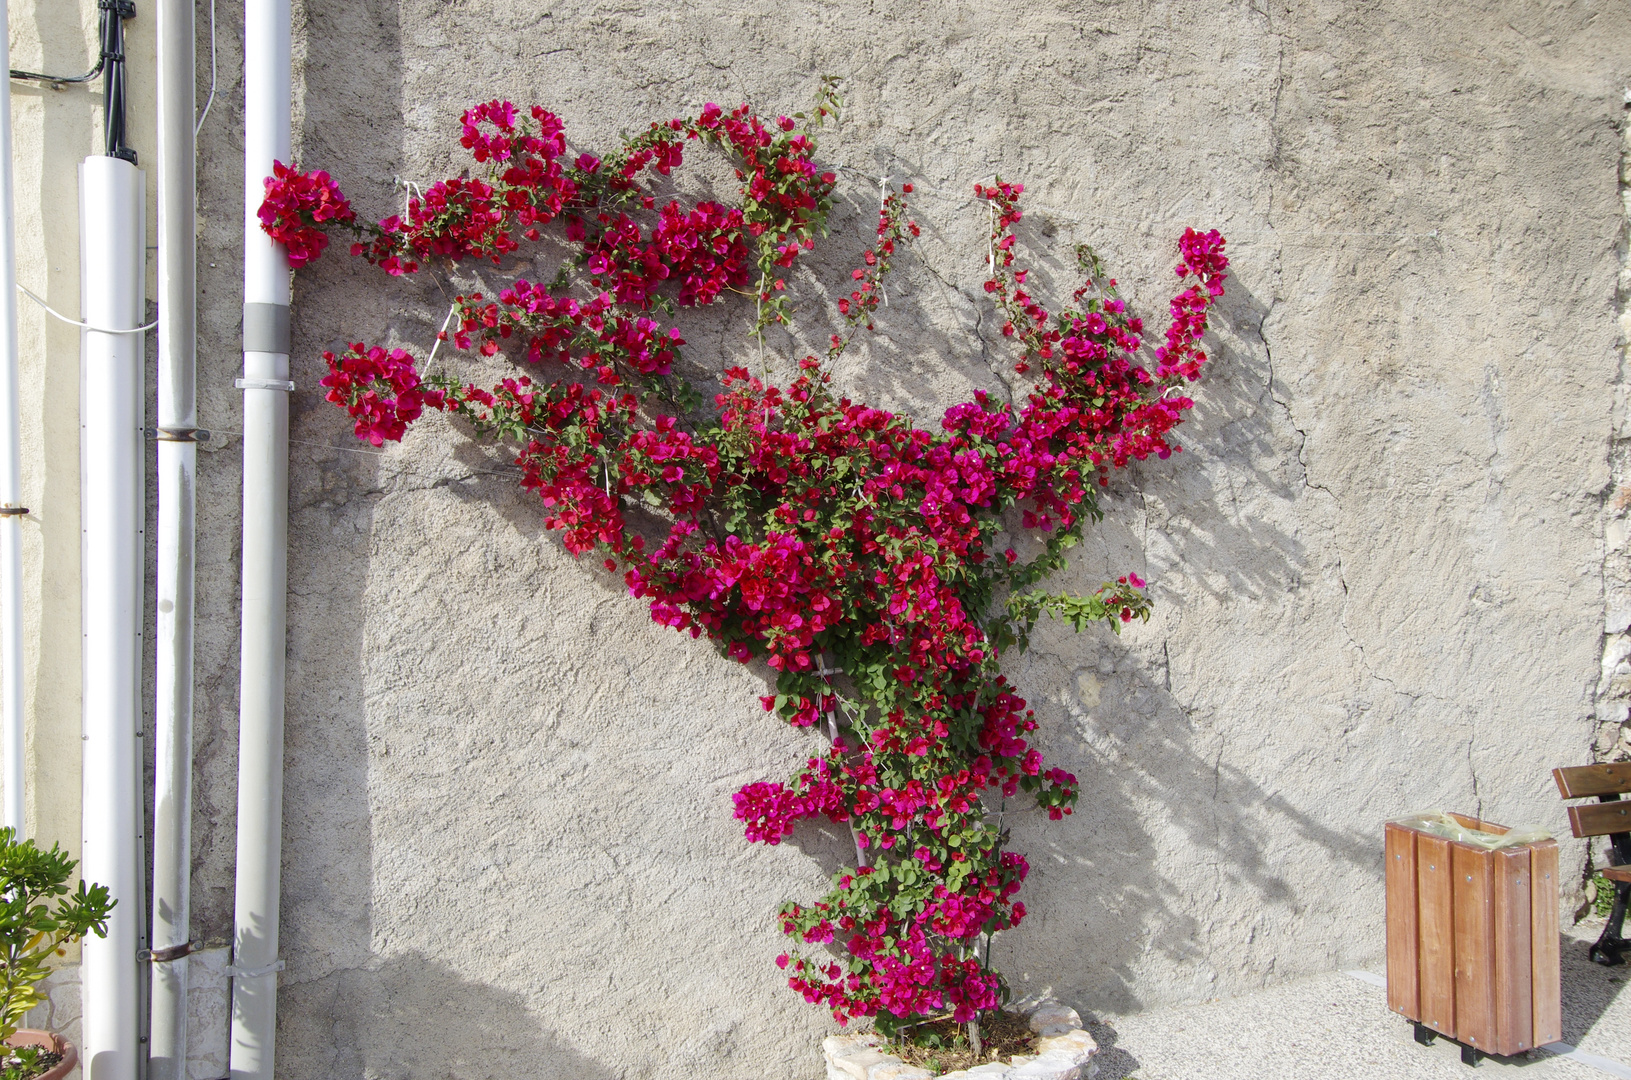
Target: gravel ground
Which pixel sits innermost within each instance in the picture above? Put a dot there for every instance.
(1337, 1025)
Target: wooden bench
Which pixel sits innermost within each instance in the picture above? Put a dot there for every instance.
(1610, 816)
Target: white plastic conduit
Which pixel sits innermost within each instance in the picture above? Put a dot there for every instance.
(11, 484)
(112, 258)
(177, 467)
(266, 389)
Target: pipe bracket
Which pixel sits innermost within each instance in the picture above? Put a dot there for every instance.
(255, 972)
(13, 511)
(179, 434)
(173, 952)
(264, 384)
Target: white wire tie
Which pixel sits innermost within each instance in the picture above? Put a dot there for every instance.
(451, 311)
(264, 384)
(237, 972)
(409, 191)
(26, 291)
(199, 126)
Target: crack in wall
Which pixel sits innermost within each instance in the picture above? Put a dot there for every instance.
(1611, 735)
(1284, 402)
(979, 305)
(1472, 770)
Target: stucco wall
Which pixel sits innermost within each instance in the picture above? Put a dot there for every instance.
(1378, 565)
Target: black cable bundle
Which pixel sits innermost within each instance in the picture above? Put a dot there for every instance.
(111, 60)
(114, 14)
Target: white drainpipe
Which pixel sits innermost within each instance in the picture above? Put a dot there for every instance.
(11, 484)
(177, 465)
(112, 257)
(266, 388)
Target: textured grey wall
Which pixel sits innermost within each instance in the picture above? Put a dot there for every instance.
(1378, 566)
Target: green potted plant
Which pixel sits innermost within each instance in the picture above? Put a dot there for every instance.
(39, 918)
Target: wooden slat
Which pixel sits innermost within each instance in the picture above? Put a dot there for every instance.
(1436, 955)
(1583, 781)
(1600, 819)
(1546, 960)
(1403, 978)
(1472, 886)
(1616, 873)
(1514, 1010)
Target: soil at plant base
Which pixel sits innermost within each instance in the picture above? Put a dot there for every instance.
(942, 1046)
(12, 1067)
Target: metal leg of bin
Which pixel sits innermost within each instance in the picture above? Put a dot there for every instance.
(1469, 1056)
(1424, 1034)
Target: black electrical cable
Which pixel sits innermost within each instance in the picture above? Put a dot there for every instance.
(61, 80)
(111, 64)
(114, 14)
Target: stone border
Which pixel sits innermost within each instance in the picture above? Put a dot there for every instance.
(1066, 1052)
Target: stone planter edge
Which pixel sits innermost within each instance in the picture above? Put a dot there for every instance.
(1065, 1052)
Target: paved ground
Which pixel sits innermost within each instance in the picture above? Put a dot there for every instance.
(1338, 1026)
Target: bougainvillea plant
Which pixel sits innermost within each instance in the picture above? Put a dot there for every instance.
(862, 558)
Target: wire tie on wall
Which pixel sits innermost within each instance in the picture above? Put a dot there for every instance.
(264, 384)
(237, 972)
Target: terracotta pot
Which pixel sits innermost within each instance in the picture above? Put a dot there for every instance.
(34, 1037)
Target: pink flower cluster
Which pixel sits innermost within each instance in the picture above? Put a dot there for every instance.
(297, 206)
(703, 249)
(907, 970)
(380, 390)
(454, 219)
(1203, 257)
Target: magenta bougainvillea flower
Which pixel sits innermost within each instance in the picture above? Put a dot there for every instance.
(863, 559)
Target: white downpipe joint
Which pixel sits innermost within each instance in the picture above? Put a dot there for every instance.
(265, 551)
(177, 425)
(112, 260)
(11, 484)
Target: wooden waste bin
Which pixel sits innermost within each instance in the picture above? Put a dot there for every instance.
(1472, 938)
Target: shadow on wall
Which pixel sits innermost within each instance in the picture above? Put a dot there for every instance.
(351, 122)
(1215, 516)
(1167, 827)
(1164, 829)
(413, 1016)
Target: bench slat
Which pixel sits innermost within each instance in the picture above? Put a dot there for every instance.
(1583, 781)
(1616, 873)
(1600, 819)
